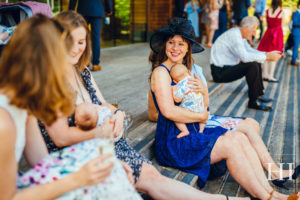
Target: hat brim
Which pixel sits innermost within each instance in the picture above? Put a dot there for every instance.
(158, 39)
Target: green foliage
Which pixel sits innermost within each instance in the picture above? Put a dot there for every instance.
(122, 11)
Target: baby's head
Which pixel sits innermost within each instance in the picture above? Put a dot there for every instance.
(86, 116)
(178, 72)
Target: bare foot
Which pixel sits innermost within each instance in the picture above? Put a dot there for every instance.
(182, 134)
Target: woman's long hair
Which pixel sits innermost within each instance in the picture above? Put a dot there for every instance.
(157, 58)
(33, 68)
(72, 20)
(276, 4)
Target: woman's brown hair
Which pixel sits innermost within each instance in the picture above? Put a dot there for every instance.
(276, 4)
(32, 70)
(72, 20)
(157, 58)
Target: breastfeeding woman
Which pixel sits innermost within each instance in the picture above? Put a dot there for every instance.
(63, 133)
(196, 152)
(33, 87)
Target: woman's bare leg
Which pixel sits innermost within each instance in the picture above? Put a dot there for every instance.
(272, 69)
(210, 37)
(228, 148)
(206, 33)
(151, 182)
(265, 70)
(250, 128)
(255, 163)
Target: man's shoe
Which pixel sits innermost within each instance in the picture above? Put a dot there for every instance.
(264, 99)
(261, 106)
(96, 68)
(295, 64)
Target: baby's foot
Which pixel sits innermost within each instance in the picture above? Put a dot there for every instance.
(182, 134)
(201, 129)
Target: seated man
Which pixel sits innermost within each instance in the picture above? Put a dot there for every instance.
(233, 58)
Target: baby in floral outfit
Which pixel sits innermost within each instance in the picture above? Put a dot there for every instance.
(183, 93)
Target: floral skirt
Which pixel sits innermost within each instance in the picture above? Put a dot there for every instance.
(61, 163)
(229, 123)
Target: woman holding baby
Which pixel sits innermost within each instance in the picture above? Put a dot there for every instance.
(64, 132)
(195, 152)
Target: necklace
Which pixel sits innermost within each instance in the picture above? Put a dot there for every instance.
(78, 84)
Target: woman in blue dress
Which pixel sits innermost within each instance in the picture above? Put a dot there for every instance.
(196, 152)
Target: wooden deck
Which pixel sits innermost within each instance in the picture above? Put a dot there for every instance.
(124, 79)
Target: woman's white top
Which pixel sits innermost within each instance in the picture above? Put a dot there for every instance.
(19, 117)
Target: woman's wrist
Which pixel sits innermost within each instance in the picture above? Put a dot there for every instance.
(76, 180)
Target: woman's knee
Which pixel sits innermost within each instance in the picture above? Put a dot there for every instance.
(229, 142)
(239, 138)
(252, 124)
(248, 125)
(149, 174)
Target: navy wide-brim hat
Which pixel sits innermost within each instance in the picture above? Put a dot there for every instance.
(176, 26)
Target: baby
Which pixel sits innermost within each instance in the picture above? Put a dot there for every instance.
(182, 93)
(88, 116)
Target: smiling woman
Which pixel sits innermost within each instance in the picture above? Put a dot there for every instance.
(79, 44)
(176, 49)
(195, 152)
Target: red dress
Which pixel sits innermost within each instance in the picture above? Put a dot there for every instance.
(273, 38)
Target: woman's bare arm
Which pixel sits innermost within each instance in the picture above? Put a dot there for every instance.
(62, 135)
(118, 118)
(8, 167)
(161, 86)
(34, 142)
(152, 111)
(199, 86)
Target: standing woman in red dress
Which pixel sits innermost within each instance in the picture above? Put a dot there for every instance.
(273, 38)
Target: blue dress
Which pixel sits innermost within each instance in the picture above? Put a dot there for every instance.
(193, 16)
(190, 153)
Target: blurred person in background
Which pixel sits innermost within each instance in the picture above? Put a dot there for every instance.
(93, 11)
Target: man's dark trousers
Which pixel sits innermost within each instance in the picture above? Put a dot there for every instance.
(96, 23)
(252, 72)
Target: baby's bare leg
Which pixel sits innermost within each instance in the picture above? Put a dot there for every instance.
(201, 127)
(182, 127)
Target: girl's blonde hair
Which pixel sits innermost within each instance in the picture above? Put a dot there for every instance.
(72, 20)
(33, 69)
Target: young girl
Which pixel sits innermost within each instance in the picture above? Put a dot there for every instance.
(32, 83)
(192, 8)
(213, 16)
(273, 38)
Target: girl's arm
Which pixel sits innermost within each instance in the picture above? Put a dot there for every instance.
(161, 86)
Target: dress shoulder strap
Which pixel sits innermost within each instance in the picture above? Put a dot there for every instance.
(161, 65)
(279, 13)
